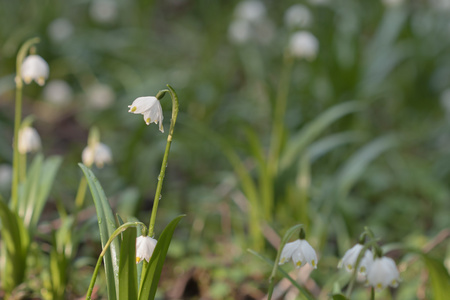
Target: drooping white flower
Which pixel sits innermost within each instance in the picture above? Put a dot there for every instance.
(304, 45)
(301, 252)
(104, 11)
(297, 16)
(150, 108)
(34, 68)
(382, 273)
(351, 256)
(58, 92)
(250, 10)
(239, 31)
(29, 140)
(145, 246)
(99, 153)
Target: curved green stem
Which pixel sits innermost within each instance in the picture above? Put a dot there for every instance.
(118, 231)
(17, 119)
(162, 173)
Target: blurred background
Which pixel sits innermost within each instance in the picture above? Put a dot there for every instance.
(365, 140)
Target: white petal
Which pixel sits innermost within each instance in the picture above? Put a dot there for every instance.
(288, 250)
(309, 253)
(304, 45)
(102, 155)
(145, 246)
(87, 156)
(142, 104)
(382, 273)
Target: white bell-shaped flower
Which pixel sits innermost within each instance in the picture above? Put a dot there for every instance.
(150, 108)
(29, 140)
(304, 45)
(382, 273)
(145, 246)
(301, 252)
(100, 154)
(351, 256)
(34, 68)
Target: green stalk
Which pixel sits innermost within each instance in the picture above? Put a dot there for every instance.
(99, 261)
(17, 120)
(276, 138)
(162, 173)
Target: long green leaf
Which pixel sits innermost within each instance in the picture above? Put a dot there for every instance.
(313, 129)
(127, 268)
(106, 224)
(149, 282)
(16, 241)
(439, 277)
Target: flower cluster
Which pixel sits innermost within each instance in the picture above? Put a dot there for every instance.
(29, 140)
(99, 153)
(379, 272)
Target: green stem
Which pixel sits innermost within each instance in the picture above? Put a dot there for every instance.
(372, 293)
(99, 261)
(162, 173)
(276, 138)
(17, 120)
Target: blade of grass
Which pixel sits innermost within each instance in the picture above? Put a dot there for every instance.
(106, 224)
(127, 267)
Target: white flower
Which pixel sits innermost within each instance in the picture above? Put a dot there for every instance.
(297, 16)
(250, 10)
(150, 108)
(351, 256)
(382, 273)
(100, 154)
(145, 246)
(304, 45)
(34, 68)
(58, 92)
(29, 140)
(301, 253)
(104, 11)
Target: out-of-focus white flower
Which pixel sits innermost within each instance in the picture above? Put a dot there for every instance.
(150, 108)
(297, 16)
(145, 246)
(5, 176)
(301, 252)
(351, 256)
(239, 31)
(382, 273)
(60, 29)
(58, 92)
(29, 140)
(304, 45)
(100, 96)
(103, 11)
(34, 68)
(250, 10)
(441, 5)
(99, 153)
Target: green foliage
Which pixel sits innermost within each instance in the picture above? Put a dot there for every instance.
(15, 246)
(150, 279)
(439, 277)
(106, 224)
(128, 285)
